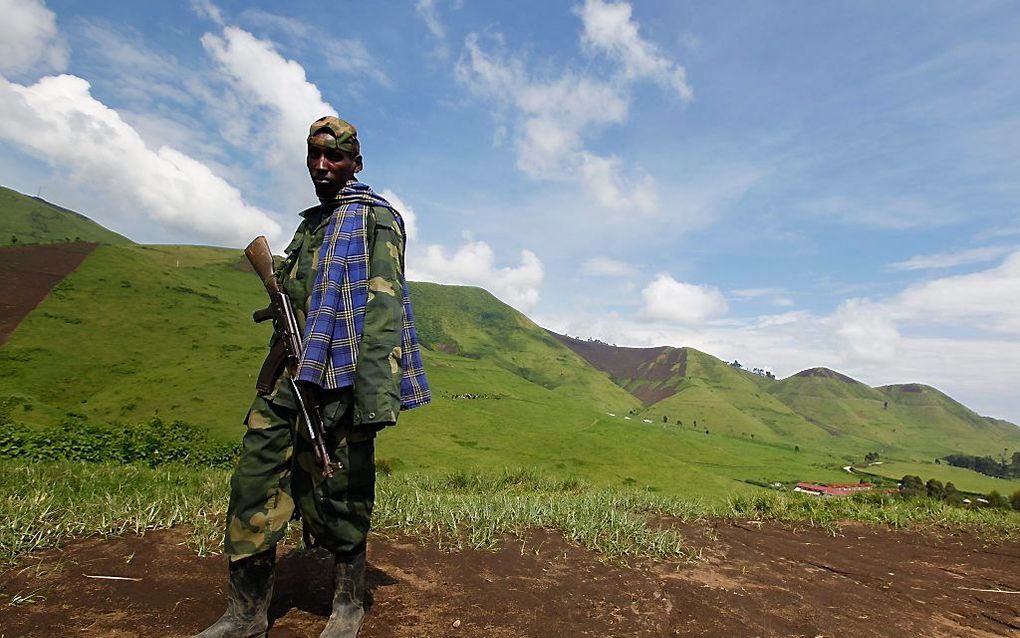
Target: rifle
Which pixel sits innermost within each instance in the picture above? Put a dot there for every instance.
(287, 351)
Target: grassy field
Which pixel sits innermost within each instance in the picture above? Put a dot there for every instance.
(45, 504)
(139, 331)
(27, 220)
(144, 330)
(964, 479)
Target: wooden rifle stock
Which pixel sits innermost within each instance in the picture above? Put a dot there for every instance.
(261, 259)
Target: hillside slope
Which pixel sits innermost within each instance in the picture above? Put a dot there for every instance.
(817, 408)
(143, 330)
(30, 220)
(137, 331)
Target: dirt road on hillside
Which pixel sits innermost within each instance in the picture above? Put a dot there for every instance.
(752, 580)
(28, 273)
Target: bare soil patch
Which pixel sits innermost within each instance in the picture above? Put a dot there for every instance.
(29, 273)
(753, 580)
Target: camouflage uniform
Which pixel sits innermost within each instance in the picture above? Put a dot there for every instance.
(277, 476)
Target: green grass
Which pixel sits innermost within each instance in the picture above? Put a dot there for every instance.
(139, 331)
(964, 479)
(34, 221)
(902, 425)
(45, 504)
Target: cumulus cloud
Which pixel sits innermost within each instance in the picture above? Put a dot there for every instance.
(474, 264)
(556, 114)
(406, 212)
(57, 117)
(866, 331)
(606, 267)
(274, 83)
(986, 299)
(29, 38)
(666, 299)
(609, 29)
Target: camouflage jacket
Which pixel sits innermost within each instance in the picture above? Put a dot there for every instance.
(376, 395)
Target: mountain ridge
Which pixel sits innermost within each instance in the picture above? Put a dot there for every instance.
(507, 393)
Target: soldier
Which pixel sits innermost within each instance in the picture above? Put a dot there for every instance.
(344, 274)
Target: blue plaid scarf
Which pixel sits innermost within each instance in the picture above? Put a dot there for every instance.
(336, 316)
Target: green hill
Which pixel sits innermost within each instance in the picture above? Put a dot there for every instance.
(30, 220)
(143, 330)
(713, 395)
(909, 421)
(816, 408)
(137, 331)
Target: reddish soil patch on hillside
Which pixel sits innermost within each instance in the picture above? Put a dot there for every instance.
(752, 580)
(29, 273)
(619, 362)
(648, 367)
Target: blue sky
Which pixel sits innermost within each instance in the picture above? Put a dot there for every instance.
(787, 184)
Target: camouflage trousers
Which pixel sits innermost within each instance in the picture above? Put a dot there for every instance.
(277, 479)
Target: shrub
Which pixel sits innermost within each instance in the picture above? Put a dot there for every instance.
(997, 500)
(153, 443)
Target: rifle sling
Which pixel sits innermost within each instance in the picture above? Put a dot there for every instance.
(271, 367)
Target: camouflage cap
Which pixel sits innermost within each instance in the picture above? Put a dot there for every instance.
(345, 136)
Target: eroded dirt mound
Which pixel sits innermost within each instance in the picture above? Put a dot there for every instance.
(752, 580)
(28, 273)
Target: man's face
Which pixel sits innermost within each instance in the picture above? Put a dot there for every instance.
(329, 168)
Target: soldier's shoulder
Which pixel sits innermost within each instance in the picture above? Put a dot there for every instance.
(384, 217)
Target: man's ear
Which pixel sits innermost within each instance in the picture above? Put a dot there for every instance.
(358, 164)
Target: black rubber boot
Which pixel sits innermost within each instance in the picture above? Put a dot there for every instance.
(251, 588)
(348, 598)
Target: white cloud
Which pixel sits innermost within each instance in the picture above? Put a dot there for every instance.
(666, 299)
(474, 264)
(29, 38)
(866, 331)
(273, 82)
(609, 29)
(427, 10)
(58, 119)
(988, 299)
(606, 267)
(275, 105)
(344, 54)
(207, 10)
(951, 259)
(406, 212)
(556, 114)
(776, 296)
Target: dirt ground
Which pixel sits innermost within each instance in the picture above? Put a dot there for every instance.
(752, 580)
(28, 273)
